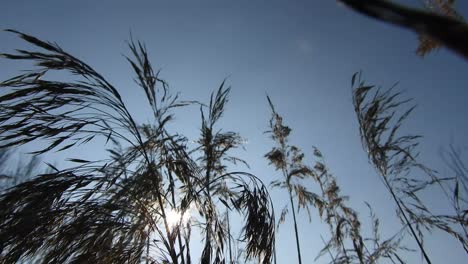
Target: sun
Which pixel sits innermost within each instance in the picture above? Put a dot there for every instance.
(175, 218)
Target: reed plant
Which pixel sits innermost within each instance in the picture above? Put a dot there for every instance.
(381, 114)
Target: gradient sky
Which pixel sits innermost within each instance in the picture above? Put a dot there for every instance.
(302, 53)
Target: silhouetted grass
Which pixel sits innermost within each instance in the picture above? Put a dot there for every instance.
(116, 210)
(380, 114)
(345, 244)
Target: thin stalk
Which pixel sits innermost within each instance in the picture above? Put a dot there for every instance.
(147, 247)
(179, 238)
(137, 134)
(413, 233)
(209, 164)
(328, 250)
(229, 237)
(274, 254)
(295, 229)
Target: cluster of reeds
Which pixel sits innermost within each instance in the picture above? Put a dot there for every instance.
(117, 210)
(345, 243)
(394, 156)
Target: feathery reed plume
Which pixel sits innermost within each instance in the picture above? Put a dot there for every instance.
(288, 160)
(394, 157)
(214, 147)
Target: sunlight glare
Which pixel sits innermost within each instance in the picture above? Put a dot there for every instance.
(174, 218)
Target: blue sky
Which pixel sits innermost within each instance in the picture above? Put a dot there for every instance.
(302, 53)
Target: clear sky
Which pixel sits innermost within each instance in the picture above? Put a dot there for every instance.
(302, 53)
